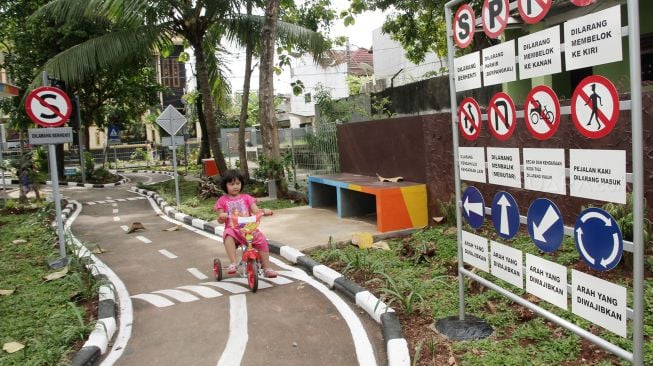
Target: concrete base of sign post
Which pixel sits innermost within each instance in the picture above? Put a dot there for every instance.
(59, 263)
(470, 329)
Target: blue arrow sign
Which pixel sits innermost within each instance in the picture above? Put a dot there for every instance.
(473, 207)
(505, 215)
(545, 225)
(598, 239)
(114, 133)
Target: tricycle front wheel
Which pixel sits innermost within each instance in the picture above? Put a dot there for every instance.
(217, 269)
(252, 274)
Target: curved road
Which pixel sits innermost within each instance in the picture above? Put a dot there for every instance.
(182, 316)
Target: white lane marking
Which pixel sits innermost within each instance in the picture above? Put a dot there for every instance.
(238, 337)
(177, 295)
(116, 218)
(114, 204)
(243, 281)
(364, 351)
(144, 239)
(121, 200)
(233, 288)
(101, 202)
(156, 300)
(91, 203)
(196, 272)
(108, 197)
(124, 227)
(167, 254)
(124, 301)
(206, 292)
(277, 280)
(110, 201)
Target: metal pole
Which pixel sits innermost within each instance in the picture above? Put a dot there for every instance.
(638, 184)
(2, 171)
(174, 169)
(292, 152)
(454, 129)
(56, 197)
(115, 157)
(80, 137)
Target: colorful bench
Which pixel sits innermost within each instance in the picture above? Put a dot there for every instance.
(400, 205)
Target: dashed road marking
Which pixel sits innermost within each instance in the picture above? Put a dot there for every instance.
(231, 287)
(116, 218)
(124, 227)
(114, 204)
(243, 281)
(238, 336)
(156, 300)
(206, 292)
(108, 197)
(167, 254)
(144, 239)
(178, 295)
(115, 210)
(196, 272)
(277, 280)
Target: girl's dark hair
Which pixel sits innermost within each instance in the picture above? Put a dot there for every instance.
(229, 176)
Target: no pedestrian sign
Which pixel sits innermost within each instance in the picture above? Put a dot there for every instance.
(595, 106)
(48, 106)
(469, 119)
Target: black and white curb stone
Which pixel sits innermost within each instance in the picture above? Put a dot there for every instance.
(122, 180)
(98, 341)
(396, 344)
(147, 171)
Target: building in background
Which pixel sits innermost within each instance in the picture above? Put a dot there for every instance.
(6, 88)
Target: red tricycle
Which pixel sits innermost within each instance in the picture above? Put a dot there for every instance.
(250, 264)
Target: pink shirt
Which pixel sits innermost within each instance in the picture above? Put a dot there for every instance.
(241, 204)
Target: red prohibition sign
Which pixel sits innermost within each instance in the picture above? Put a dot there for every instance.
(532, 11)
(502, 116)
(595, 99)
(583, 2)
(469, 118)
(48, 106)
(464, 17)
(542, 112)
(494, 16)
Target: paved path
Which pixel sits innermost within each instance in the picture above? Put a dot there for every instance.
(181, 316)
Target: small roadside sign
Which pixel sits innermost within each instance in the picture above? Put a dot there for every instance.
(468, 71)
(595, 106)
(599, 301)
(499, 64)
(598, 174)
(546, 280)
(473, 207)
(545, 225)
(598, 239)
(475, 251)
(463, 26)
(502, 116)
(48, 106)
(471, 163)
(494, 16)
(542, 112)
(505, 215)
(539, 53)
(167, 140)
(50, 136)
(507, 263)
(114, 135)
(171, 120)
(532, 11)
(469, 118)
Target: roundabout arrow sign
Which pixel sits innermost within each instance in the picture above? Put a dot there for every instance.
(598, 239)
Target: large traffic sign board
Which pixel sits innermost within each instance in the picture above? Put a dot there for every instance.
(48, 106)
(171, 120)
(494, 16)
(532, 11)
(469, 118)
(542, 112)
(545, 225)
(473, 207)
(505, 215)
(595, 106)
(598, 239)
(502, 116)
(463, 26)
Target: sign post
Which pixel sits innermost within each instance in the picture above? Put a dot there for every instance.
(51, 107)
(3, 141)
(172, 121)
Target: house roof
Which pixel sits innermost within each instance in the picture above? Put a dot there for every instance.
(358, 57)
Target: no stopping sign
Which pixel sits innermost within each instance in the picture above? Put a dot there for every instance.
(48, 106)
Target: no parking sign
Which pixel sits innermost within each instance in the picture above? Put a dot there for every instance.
(495, 17)
(595, 106)
(469, 118)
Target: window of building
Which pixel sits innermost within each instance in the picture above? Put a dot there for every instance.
(170, 72)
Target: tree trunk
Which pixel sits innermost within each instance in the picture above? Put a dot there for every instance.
(269, 132)
(205, 149)
(207, 103)
(242, 149)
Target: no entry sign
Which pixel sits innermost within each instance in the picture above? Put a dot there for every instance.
(495, 17)
(463, 26)
(48, 106)
(502, 116)
(469, 118)
(532, 11)
(595, 107)
(542, 112)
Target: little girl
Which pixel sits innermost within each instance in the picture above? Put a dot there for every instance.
(243, 205)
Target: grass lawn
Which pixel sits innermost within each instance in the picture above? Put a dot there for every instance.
(51, 319)
(418, 277)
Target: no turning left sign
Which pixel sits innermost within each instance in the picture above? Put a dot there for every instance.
(48, 106)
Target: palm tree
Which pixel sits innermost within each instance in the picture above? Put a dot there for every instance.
(146, 27)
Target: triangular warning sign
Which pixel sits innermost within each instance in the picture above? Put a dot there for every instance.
(113, 133)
